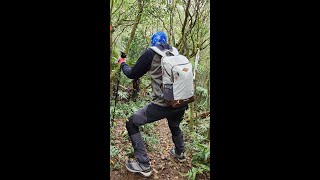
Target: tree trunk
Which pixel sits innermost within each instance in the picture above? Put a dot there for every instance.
(171, 24)
(209, 105)
(195, 101)
(191, 117)
(110, 58)
(182, 39)
(134, 28)
(208, 93)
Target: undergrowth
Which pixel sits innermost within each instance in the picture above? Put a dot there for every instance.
(148, 131)
(197, 145)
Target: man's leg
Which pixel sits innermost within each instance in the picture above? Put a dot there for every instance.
(174, 121)
(147, 114)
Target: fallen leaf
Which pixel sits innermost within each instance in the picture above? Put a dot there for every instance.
(155, 171)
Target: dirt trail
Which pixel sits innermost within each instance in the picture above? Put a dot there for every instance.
(164, 166)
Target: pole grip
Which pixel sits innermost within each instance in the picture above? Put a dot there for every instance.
(123, 55)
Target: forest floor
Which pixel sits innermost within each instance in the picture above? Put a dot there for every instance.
(164, 166)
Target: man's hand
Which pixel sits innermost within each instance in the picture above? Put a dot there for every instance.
(121, 60)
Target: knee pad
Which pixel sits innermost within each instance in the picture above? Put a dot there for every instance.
(131, 127)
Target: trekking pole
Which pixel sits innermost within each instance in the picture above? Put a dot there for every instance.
(123, 55)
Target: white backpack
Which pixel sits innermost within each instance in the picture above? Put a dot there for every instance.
(177, 78)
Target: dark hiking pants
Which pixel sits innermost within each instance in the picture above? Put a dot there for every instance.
(151, 113)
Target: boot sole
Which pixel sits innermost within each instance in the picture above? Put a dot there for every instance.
(145, 174)
(180, 160)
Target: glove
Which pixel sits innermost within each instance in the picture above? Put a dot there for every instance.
(121, 60)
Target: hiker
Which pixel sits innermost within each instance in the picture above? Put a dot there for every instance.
(150, 62)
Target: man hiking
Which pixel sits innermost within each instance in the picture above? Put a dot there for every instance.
(150, 62)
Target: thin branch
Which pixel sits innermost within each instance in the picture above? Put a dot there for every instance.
(180, 18)
(158, 17)
(116, 38)
(204, 46)
(204, 41)
(122, 87)
(117, 8)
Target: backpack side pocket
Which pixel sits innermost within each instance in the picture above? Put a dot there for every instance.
(168, 92)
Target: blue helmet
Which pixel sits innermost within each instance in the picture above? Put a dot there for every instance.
(158, 38)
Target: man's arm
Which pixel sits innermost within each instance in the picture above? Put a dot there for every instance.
(141, 67)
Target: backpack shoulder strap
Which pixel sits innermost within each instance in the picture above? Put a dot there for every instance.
(163, 53)
(158, 51)
(175, 51)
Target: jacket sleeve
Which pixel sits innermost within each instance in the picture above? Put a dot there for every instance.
(141, 67)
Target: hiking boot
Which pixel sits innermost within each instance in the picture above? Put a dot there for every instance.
(136, 167)
(180, 158)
